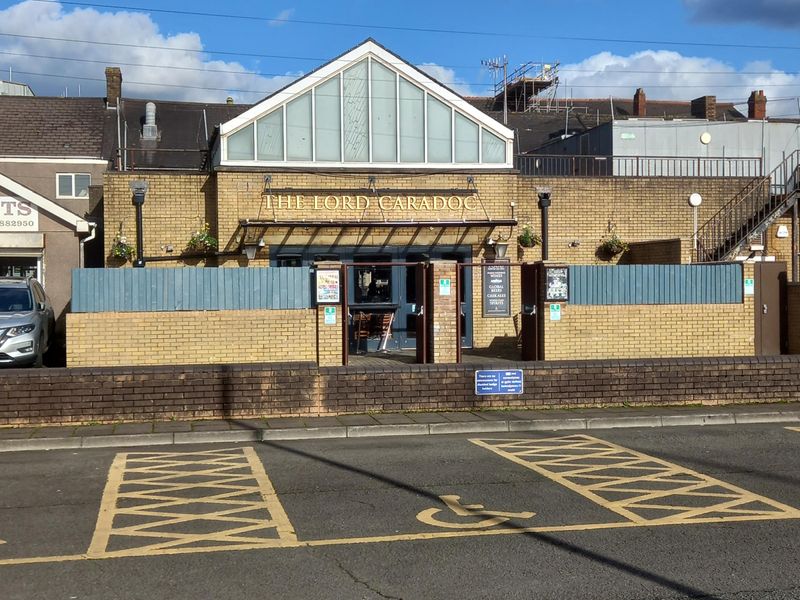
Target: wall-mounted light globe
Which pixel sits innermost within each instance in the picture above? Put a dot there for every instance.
(695, 199)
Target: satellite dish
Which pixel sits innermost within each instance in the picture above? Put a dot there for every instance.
(705, 138)
(695, 199)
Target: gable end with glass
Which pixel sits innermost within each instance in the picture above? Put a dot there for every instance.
(376, 111)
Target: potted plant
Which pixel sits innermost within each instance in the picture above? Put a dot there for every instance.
(121, 249)
(202, 240)
(527, 238)
(612, 244)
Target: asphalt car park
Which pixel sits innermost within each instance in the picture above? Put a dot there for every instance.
(639, 513)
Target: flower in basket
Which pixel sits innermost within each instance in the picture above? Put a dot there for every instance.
(120, 248)
(613, 245)
(202, 240)
(527, 238)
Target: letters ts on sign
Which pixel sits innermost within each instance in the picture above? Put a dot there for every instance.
(328, 286)
(17, 215)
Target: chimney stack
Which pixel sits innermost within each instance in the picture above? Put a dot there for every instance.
(705, 107)
(113, 85)
(757, 106)
(639, 103)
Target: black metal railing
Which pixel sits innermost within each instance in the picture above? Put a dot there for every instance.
(548, 165)
(750, 211)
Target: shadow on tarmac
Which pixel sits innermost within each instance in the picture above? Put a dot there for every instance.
(630, 569)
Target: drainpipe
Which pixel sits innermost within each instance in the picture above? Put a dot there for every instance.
(88, 238)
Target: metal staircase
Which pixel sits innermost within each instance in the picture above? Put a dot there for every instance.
(750, 212)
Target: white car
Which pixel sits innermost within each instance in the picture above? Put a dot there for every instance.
(26, 322)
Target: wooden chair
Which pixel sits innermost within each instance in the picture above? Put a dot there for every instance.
(362, 329)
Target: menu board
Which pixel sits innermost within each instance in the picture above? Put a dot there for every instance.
(556, 284)
(496, 284)
(328, 286)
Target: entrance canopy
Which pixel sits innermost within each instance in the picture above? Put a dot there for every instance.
(367, 108)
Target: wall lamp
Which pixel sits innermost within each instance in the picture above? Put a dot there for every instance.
(251, 249)
(496, 248)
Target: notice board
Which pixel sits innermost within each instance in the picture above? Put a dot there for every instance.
(496, 287)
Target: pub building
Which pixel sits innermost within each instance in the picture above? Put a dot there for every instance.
(370, 161)
(366, 161)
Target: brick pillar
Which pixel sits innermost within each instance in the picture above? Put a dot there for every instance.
(757, 106)
(444, 311)
(330, 334)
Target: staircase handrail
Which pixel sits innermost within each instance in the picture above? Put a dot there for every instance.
(756, 186)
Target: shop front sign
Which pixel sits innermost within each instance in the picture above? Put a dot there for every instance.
(17, 215)
(362, 203)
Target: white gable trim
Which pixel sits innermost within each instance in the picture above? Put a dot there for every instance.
(396, 63)
(79, 224)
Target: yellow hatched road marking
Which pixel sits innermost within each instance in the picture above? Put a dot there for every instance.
(635, 485)
(187, 502)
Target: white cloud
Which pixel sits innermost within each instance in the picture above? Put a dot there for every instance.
(280, 18)
(447, 77)
(188, 66)
(667, 75)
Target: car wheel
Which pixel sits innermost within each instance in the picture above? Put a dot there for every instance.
(38, 362)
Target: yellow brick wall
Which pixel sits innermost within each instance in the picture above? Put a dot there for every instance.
(329, 338)
(780, 248)
(640, 209)
(650, 331)
(191, 337)
(176, 205)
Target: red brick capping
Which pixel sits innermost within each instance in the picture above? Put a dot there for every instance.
(116, 394)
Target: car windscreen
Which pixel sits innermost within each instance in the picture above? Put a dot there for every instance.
(15, 300)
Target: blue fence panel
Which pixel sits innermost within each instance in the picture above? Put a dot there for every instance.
(656, 284)
(156, 289)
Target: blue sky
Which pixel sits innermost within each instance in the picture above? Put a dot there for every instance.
(216, 56)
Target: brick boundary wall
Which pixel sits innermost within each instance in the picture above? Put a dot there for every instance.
(56, 396)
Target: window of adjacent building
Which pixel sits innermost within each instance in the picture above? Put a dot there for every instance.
(288, 260)
(73, 185)
(368, 113)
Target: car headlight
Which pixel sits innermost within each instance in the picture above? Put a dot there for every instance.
(15, 331)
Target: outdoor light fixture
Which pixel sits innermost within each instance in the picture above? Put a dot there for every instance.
(250, 249)
(139, 188)
(500, 249)
(544, 204)
(695, 200)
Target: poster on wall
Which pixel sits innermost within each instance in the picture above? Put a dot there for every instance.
(17, 215)
(556, 284)
(328, 289)
(496, 297)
